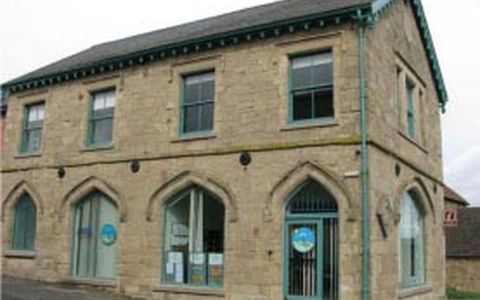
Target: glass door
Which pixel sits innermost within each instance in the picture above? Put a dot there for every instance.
(95, 238)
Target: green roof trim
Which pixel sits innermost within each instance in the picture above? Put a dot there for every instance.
(373, 9)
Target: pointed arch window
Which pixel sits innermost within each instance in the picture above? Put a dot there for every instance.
(193, 239)
(411, 242)
(24, 224)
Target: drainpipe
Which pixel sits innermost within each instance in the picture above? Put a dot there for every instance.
(363, 20)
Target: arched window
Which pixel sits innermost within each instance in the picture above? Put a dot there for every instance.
(311, 244)
(411, 242)
(193, 239)
(24, 224)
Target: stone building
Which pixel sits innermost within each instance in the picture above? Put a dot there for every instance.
(463, 251)
(287, 151)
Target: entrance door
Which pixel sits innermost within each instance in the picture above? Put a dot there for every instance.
(311, 245)
(95, 238)
(303, 253)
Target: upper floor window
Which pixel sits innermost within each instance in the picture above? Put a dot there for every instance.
(311, 87)
(32, 128)
(411, 242)
(410, 109)
(198, 103)
(24, 224)
(100, 125)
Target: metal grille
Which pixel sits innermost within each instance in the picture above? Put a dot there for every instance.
(312, 198)
(330, 256)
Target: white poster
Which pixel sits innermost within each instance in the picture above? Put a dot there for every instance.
(170, 268)
(179, 273)
(215, 259)
(197, 258)
(175, 257)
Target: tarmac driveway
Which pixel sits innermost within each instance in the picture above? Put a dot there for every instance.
(21, 289)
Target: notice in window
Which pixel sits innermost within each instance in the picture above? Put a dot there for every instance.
(215, 259)
(170, 268)
(179, 273)
(215, 269)
(197, 263)
(175, 257)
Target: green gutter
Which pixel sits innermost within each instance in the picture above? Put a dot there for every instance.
(364, 166)
(363, 20)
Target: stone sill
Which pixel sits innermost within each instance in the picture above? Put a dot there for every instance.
(91, 282)
(309, 125)
(413, 142)
(190, 138)
(28, 155)
(202, 291)
(94, 148)
(414, 291)
(20, 254)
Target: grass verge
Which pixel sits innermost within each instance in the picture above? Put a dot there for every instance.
(457, 294)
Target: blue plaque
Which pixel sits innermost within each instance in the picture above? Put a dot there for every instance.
(108, 234)
(303, 239)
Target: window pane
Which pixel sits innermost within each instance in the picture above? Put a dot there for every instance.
(208, 91)
(323, 74)
(192, 93)
(102, 131)
(302, 106)
(301, 77)
(198, 89)
(36, 112)
(323, 104)
(411, 242)
(312, 70)
(103, 113)
(41, 112)
(98, 102)
(34, 140)
(103, 100)
(24, 224)
(110, 100)
(207, 117)
(191, 118)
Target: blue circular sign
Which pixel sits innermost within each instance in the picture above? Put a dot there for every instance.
(303, 239)
(109, 234)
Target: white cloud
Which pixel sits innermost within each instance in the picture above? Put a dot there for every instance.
(463, 174)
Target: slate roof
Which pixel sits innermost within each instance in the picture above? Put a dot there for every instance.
(451, 195)
(464, 240)
(235, 21)
(275, 18)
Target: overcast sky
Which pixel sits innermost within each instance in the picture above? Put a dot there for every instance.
(35, 33)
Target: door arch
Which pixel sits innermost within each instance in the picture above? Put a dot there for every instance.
(94, 247)
(310, 247)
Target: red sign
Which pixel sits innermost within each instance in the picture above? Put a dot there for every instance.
(451, 217)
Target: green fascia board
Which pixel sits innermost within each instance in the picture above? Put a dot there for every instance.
(291, 26)
(381, 6)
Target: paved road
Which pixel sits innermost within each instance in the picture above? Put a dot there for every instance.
(20, 289)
